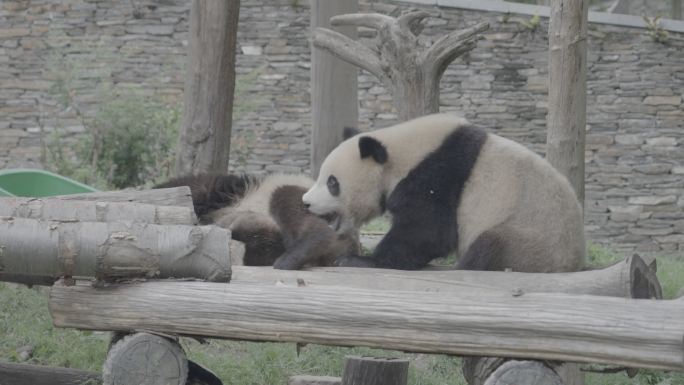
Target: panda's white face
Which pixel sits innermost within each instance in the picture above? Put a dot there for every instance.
(349, 188)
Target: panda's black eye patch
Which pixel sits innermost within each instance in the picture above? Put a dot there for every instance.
(333, 186)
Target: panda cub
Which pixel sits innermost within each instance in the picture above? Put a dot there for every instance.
(451, 187)
(266, 214)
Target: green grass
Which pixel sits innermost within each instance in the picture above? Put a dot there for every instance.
(24, 320)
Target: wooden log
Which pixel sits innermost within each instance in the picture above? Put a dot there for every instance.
(375, 371)
(314, 380)
(523, 373)
(93, 211)
(628, 278)
(334, 90)
(48, 250)
(24, 374)
(144, 358)
(580, 328)
(173, 196)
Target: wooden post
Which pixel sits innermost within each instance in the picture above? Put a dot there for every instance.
(568, 90)
(24, 374)
(375, 371)
(677, 9)
(334, 90)
(144, 358)
(204, 140)
(410, 72)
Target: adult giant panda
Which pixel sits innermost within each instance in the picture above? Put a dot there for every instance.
(451, 187)
(266, 213)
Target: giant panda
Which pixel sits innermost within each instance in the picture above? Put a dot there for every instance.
(451, 187)
(266, 213)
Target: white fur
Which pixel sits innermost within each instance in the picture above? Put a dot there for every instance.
(511, 190)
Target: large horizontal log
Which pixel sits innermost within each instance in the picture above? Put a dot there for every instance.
(173, 196)
(24, 374)
(45, 250)
(581, 328)
(628, 278)
(93, 211)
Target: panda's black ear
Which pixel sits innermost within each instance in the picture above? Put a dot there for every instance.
(349, 132)
(372, 147)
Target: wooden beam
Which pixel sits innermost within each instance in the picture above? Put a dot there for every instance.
(173, 196)
(630, 278)
(116, 250)
(24, 374)
(580, 328)
(334, 89)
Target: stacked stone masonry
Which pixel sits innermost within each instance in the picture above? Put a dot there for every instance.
(635, 114)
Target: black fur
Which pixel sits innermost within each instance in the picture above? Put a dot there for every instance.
(213, 191)
(424, 205)
(369, 146)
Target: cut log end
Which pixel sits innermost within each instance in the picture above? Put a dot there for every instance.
(375, 371)
(144, 358)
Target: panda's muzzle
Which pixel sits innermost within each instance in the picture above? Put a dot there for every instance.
(334, 220)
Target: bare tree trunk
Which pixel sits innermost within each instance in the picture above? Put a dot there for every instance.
(334, 90)
(568, 90)
(204, 141)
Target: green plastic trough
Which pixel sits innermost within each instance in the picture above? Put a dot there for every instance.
(38, 183)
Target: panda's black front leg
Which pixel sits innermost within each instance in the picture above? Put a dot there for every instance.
(355, 261)
(411, 246)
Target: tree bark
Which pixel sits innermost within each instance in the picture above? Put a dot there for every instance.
(174, 196)
(630, 278)
(523, 373)
(60, 210)
(568, 90)
(204, 141)
(40, 251)
(144, 358)
(334, 90)
(677, 9)
(375, 371)
(24, 374)
(410, 72)
(576, 328)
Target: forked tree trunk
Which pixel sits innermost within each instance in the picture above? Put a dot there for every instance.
(568, 90)
(408, 70)
(204, 141)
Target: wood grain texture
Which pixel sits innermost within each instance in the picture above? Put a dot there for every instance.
(112, 250)
(334, 90)
(375, 371)
(523, 373)
(93, 211)
(204, 138)
(628, 278)
(565, 140)
(25, 374)
(635, 333)
(314, 380)
(144, 358)
(173, 196)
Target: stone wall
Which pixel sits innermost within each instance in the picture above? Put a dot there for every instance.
(635, 138)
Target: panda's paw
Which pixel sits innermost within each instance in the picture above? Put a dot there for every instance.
(354, 261)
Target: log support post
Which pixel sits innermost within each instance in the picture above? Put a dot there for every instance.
(375, 371)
